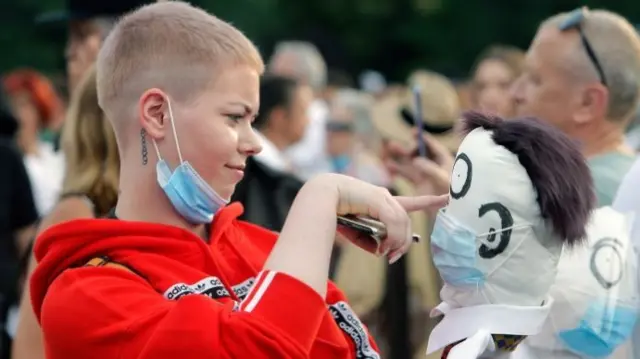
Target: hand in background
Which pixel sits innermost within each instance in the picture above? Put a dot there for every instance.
(430, 176)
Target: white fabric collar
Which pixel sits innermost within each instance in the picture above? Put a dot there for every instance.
(479, 322)
(271, 156)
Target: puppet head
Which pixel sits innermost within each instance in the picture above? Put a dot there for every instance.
(595, 294)
(520, 190)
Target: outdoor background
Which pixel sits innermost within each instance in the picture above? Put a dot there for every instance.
(391, 36)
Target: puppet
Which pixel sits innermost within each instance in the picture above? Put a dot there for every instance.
(520, 191)
(595, 296)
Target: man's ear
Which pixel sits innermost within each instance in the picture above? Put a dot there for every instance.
(594, 103)
(152, 107)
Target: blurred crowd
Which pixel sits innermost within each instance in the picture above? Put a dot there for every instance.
(314, 119)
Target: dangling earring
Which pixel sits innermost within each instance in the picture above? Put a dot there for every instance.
(143, 143)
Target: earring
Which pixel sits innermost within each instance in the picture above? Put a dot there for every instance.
(143, 143)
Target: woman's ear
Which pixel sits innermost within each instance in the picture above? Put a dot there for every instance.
(153, 113)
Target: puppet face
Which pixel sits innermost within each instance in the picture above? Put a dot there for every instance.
(490, 244)
(595, 292)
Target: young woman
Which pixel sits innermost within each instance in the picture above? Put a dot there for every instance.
(90, 189)
(174, 273)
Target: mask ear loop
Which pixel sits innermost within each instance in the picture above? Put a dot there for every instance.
(173, 127)
(175, 136)
(155, 145)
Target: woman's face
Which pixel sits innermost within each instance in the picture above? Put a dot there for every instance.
(492, 82)
(215, 132)
(26, 113)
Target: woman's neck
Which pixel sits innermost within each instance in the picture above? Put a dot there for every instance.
(140, 201)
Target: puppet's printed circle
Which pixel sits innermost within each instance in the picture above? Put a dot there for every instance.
(461, 176)
(506, 222)
(606, 262)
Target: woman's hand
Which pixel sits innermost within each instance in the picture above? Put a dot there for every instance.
(356, 197)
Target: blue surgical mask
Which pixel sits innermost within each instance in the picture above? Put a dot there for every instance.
(190, 195)
(601, 330)
(453, 247)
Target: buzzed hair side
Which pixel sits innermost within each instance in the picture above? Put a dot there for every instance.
(617, 46)
(169, 45)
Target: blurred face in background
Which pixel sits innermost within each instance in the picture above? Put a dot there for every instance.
(297, 115)
(340, 132)
(26, 113)
(545, 90)
(492, 81)
(82, 50)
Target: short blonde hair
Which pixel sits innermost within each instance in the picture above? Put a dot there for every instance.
(90, 149)
(617, 46)
(169, 45)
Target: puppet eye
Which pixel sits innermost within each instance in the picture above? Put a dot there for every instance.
(461, 176)
(606, 262)
(499, 241)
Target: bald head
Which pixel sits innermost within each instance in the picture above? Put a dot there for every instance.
(616, 45)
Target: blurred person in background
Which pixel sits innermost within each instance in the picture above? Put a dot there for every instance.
(18, 217)
(373, 83)
(413, 285)
(494, 72)
(268, 187)
(582, 74)
(633, 131)
(88, 24)
(440, 106)
(303, 61)
(37, 108)
(283, 119)
(349, 130)
(90, 189)
(464, 90)
(336, 81)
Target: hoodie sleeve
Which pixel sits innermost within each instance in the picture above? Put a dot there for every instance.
(109, 313)
(356, 333)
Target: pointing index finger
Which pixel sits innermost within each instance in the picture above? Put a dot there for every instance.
(411, 204)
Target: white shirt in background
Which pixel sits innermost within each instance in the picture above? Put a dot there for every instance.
(46, 173)
(308, 157)
(271, 156)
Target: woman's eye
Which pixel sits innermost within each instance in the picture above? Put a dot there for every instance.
(235, 118)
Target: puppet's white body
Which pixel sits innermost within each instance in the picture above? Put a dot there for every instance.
(587, 274)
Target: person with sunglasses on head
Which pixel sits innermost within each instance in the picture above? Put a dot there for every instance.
(582, 74)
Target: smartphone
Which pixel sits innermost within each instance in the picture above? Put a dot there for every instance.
(369, 226)
(419, 118)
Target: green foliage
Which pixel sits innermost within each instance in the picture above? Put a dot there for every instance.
(393, 36)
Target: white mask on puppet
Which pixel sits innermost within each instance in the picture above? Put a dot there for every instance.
(595, 294)
(492, 192)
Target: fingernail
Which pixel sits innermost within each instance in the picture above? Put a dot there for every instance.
(395, 258)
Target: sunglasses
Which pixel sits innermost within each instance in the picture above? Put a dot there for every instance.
(574, 20)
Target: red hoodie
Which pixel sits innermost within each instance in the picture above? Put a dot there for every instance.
(184, 298)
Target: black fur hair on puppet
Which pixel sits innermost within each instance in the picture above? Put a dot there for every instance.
(553, 161)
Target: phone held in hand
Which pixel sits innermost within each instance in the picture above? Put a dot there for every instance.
(369, 226)
(419, 118)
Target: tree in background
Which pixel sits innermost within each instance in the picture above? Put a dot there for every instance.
(392, 36)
